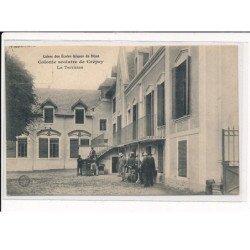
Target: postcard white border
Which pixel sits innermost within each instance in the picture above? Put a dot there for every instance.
(119, 39)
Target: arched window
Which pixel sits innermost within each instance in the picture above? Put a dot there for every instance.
(79, 143)
(48, 143)
(181, 86)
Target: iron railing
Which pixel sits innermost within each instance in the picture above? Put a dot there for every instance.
(144, 128)
(230, 161)
(230, 146)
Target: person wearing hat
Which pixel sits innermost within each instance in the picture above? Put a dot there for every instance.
(79, 165)
(92, 154)
(146, 170)
(153, 171)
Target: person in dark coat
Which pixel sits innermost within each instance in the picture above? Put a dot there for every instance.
(79, 165)
(146, 170)
(92, 154)
(151, 161)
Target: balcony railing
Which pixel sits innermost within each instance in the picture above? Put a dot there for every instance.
(147, 127)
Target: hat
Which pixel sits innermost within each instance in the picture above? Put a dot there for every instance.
(144, 154)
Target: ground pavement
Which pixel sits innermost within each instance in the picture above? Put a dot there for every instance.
(65, 182)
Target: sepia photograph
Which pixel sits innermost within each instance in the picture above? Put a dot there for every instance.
(121, 120)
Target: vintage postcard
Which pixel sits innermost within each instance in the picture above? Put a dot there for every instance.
(121, 119)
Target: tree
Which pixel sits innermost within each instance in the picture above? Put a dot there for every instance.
(20, 97)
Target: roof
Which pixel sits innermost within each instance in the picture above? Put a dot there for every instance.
(64, 99)
(108, 82)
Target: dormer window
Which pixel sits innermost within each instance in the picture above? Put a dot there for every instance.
(79, 115)
(48, 114)
(79, 109)
(49, 108)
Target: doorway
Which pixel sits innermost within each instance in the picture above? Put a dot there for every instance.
(114, 164)
(160, 157)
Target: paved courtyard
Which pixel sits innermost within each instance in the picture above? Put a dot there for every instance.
(65, 182)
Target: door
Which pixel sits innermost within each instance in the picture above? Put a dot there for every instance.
(114, 164)
(160, 157)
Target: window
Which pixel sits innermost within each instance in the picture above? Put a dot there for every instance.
(48, 147)
(136, 65)
(114, 128)
(74, 145)
(11, 149)
(181, 102)
(84, 142)
(105, 140)
(161, 104)
(182, 158)
(145, 58)
(54, 148)
(149, 150)
(129, 116)
(103, 124)
(149, 114)
(114, 105)
(79, 116)
(48, 115)
(22, 147)
(43, 148)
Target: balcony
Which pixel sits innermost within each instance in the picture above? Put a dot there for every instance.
(145, 128)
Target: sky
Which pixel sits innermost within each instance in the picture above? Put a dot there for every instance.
(89, 74)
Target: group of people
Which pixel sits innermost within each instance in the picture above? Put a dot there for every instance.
(89, 164)
(134, 170)
(131, 169)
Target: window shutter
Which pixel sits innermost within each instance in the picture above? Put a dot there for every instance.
(182, 158)
(43, 148)
(173, 91)
(188, 85)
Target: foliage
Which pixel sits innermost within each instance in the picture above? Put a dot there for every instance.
(20, 97)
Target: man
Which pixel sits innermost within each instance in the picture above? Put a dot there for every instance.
(152, 175)
(92, 153)
(146, 170)
(138, 170)
(79, 165)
